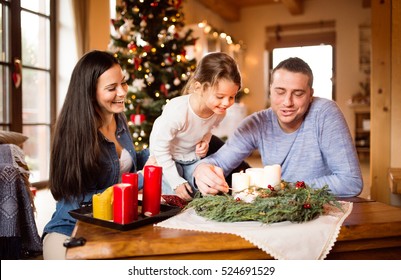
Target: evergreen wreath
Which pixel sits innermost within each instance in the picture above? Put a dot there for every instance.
(295, 202)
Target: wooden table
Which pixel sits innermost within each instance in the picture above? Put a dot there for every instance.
(371, 231)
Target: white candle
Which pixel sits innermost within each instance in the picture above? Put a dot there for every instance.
(272, 175)
(239, 181)
(256, 177)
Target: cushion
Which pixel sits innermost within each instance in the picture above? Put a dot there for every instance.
(11, 137)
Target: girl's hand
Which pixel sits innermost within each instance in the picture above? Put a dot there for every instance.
(151, 161)
(184, 191)
(201, 149)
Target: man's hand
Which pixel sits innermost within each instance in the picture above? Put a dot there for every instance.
(210, 179)
(201, 149)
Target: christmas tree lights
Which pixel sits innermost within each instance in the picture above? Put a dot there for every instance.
(151, 42)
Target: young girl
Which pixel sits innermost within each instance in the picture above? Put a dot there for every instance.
(180, 136)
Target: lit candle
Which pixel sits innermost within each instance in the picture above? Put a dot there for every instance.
(152, 188)
(272, 175)
(256, 177)
(123, 203)
(132, 178)
(102, 204)
(239, 182)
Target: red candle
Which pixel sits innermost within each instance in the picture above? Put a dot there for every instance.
(152, 189)
(123, 197)
(132, 178)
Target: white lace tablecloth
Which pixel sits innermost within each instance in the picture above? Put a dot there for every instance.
(311, 240)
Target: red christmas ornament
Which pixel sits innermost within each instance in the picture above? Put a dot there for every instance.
(16, 79)
(137, 119)
(147, 48)
(306, 206)
(169, 60)
(17, 73)
(270, 187)
(163, 89)
(237, 199)
(33, 190)
(178, 4)
(137, 62)
(300, 185)
(131, 46)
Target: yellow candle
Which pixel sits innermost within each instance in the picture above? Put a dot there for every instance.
(103, 205)
(239, 182)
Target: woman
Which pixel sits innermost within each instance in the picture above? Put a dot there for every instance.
(92, 145)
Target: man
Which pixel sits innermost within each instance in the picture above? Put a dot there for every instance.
(308, 136)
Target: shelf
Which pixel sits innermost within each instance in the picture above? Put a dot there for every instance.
(362, 131)
(363, 149)
(362, 128)
(360, 107)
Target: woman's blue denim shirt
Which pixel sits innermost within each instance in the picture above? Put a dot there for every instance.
(61, 220)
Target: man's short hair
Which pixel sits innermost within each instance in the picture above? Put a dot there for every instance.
(296, 65)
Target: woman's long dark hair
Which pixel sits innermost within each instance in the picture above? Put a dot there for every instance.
(75, 147)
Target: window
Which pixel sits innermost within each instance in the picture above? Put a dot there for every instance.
(320, 60)
(313, 42)
(27, 72)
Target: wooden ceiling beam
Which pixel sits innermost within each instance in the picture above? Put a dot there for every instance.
(230, 9)
(227, 10)
(296, 7)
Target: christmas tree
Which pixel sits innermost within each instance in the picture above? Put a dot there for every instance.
(151, 42)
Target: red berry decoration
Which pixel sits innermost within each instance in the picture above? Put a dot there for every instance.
(307, 206)
(174, 200)
(270, 187)
(300, 185)
(237, 199)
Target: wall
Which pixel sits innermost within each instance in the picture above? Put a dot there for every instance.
(348, 15)
(195, 13)
(99, 24)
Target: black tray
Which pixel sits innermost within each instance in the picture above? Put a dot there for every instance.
(85, 214)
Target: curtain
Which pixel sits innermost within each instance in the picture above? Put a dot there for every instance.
(81, 13)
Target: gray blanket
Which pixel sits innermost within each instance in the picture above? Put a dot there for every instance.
(19, 236)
